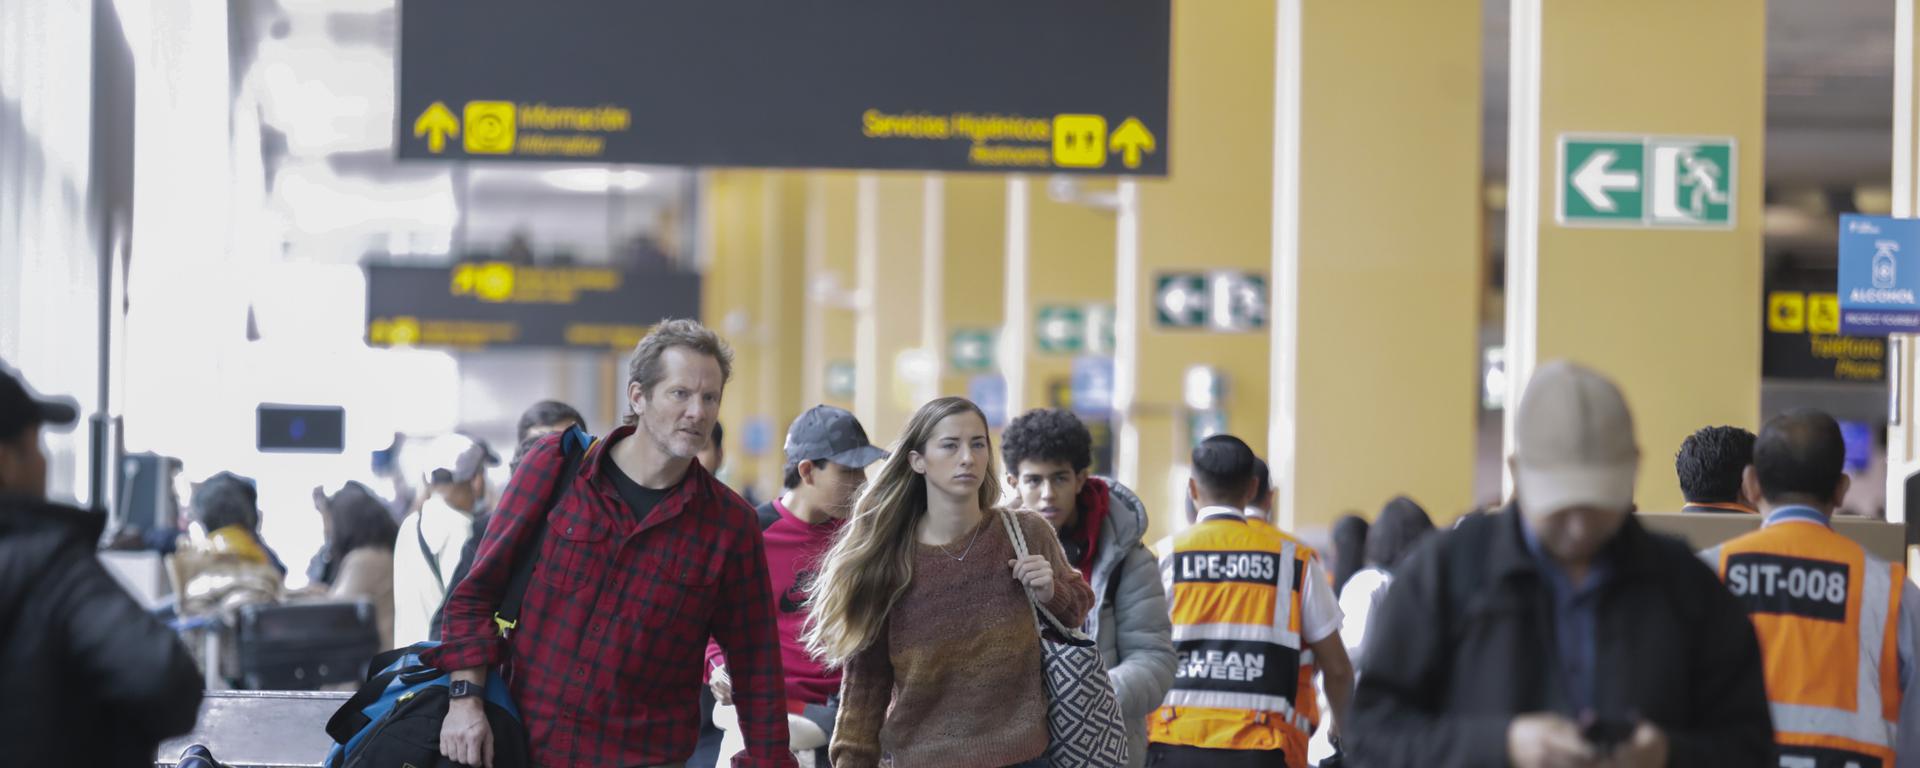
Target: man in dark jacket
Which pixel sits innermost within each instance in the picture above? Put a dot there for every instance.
(1559, 632)
(89, 678)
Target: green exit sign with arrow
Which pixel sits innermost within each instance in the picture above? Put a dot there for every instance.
(1646, 181)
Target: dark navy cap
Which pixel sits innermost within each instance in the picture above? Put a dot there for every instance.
(826, 433)
(21, 408)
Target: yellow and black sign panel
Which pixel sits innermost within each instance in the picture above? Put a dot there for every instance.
(1803, 341)
(480, 305)
(1070, 86)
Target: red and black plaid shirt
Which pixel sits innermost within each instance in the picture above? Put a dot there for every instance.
(608, 654)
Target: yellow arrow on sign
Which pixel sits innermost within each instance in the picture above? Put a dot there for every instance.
(436, 124)
(1132, 139)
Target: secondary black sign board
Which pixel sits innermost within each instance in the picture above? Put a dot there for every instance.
(1067, 86)
(1801, 338)
(482, 305)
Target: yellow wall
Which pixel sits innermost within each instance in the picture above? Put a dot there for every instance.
(1668, 314)
(891, 318)
(1389, 257)
(974, 270)
(830, 229)
(1213, 211)
(731, 302)
(1070, 260)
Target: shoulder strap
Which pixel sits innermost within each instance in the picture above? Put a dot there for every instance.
(768, 515)
(426, 551)
(1019, 537)
(573, 446)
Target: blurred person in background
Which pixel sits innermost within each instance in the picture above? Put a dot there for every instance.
(87, 676)
(1047, 453)
(428, 546)
(1349, 549)
(1402, 524)
(1559, 631)
(541, 419)
(827, 453)
(1710, 464)
(361, 533)
(221, 563)
(714, 456)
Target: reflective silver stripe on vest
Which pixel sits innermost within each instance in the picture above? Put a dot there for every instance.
(1283, 591)
(1254, 633)
(1273, 705)
(1865, 724)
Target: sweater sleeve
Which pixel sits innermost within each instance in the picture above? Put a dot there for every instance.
(1072, 597)
(866, 688)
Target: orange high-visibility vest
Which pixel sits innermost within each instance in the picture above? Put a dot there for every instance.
(1827, 614)
(1243, 679)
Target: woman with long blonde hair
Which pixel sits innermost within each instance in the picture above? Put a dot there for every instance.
(921, 602)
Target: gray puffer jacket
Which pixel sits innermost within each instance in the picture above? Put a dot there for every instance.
(1129, 617)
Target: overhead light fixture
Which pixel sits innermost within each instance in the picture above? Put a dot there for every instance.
(596, 179)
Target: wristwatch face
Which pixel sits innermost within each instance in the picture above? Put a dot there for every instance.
(460, 689)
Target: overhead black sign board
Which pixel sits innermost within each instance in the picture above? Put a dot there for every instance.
(1074, 86)
(480, 305)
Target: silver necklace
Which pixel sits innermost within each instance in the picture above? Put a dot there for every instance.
(969, 550)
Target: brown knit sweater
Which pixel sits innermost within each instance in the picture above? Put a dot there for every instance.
(954, 679)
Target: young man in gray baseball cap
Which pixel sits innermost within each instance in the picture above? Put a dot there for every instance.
(827, 456)
(1558, 631)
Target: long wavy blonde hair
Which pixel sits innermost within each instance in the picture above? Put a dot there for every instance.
(871, 561)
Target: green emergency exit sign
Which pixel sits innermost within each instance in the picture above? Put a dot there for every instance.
(1646, 181)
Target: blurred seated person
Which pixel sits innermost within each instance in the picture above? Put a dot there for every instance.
(361, 533)
(222, 563)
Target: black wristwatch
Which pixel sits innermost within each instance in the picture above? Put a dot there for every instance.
(460, 689)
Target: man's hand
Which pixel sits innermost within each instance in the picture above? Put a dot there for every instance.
(1647, 749)
(1035, 572)
(1542, 740)
(465, 736)
(721, 685)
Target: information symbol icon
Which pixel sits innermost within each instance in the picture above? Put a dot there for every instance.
(489, 127)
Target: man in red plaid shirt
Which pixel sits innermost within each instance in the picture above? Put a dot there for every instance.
(644, 557)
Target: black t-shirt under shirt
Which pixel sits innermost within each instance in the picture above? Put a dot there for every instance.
(640, 499)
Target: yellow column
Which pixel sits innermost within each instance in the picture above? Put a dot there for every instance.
(896, 374)
(1377, 256)
(827, 375)
(1213, 211)
(972, 273)
(1361, 213)
(1070, 267)
(783, 314)
(1668, 314)
(731, 301)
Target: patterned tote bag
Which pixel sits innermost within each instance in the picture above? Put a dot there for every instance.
(1084, 726)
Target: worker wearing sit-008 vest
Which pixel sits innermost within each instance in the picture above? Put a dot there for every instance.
(1253, 617)
(1837, 626)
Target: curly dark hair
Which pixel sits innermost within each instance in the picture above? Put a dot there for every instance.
(1047, 434)
(1710, 463)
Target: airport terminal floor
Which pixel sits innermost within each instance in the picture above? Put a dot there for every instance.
(1083, 383)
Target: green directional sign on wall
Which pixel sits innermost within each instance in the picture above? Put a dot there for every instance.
(1646, 181)
(970, 350)
(1060, 329)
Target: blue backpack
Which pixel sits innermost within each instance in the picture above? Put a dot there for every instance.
(394, 720)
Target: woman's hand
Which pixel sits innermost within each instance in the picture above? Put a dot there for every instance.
(1036, 573)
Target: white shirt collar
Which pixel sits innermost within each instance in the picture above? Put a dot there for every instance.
(1209, 513)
